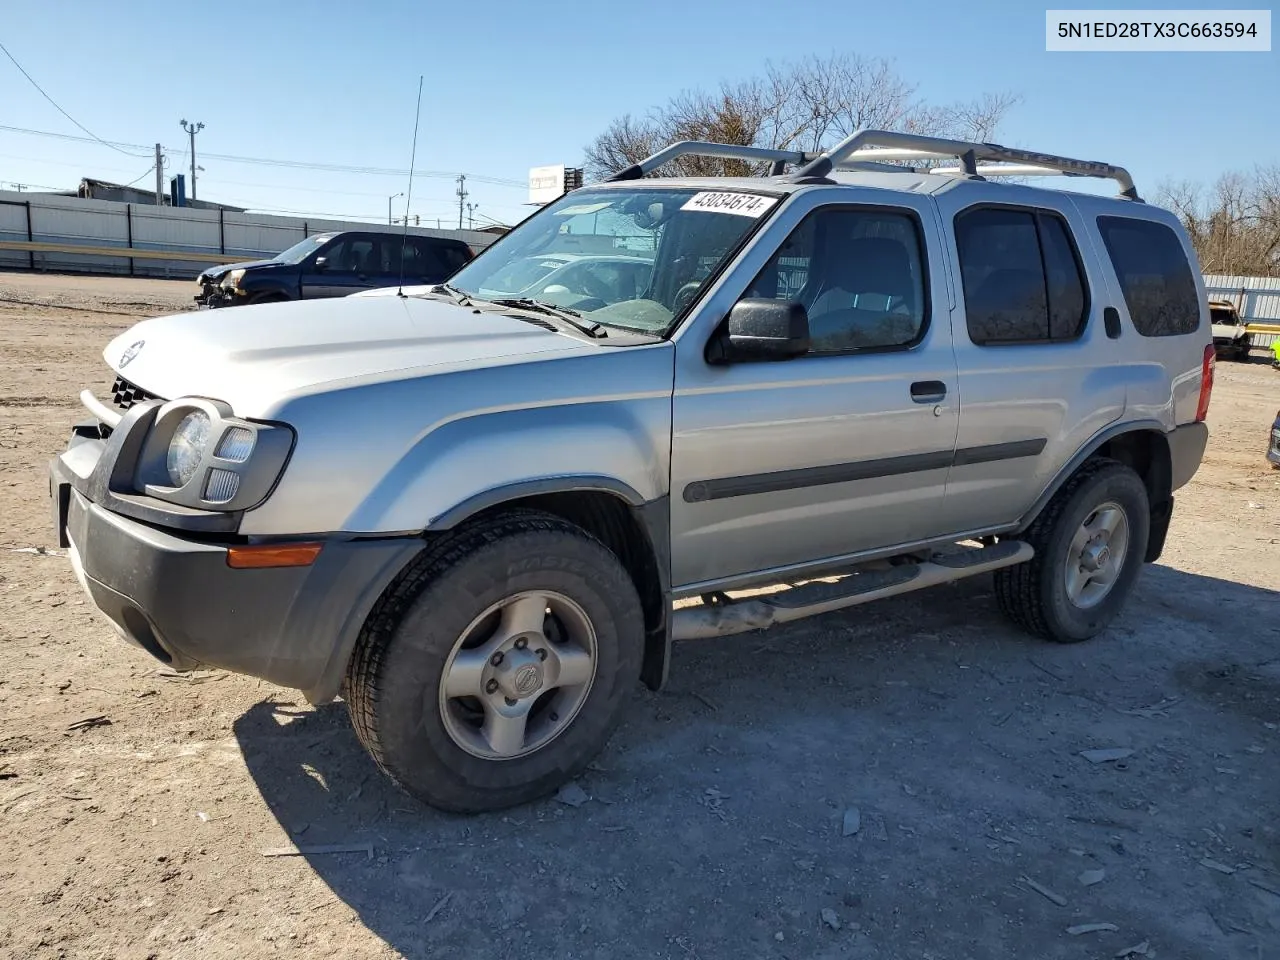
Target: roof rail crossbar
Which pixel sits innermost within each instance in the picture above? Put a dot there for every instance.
(700, 148)
(1007, 170)
(879, 145)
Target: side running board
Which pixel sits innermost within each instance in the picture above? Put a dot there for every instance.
(811, 599)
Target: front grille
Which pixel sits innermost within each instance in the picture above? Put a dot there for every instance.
(126, 394)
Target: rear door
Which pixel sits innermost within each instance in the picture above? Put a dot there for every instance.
(1037, 371)
(844, 450)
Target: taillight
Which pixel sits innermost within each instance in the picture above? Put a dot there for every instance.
(1206, 383)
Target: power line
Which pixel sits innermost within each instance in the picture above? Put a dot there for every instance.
(290, 164)
(436, 203)
(32, 81)
(323, 215)
(136, 179)
(38, 186)
(221, 181)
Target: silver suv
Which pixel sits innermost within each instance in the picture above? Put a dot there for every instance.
(472, 515)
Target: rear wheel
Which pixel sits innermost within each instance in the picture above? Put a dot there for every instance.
(1090, 542)
(499, 665)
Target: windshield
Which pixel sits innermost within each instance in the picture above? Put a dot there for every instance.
(301, 250)
(632, 258)
(1221, 316)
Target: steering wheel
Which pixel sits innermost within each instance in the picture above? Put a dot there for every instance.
(593, 286)
(684, 295)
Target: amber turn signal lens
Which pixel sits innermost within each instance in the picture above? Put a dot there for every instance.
(261, 555)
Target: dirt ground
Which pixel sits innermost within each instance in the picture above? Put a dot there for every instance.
(714, 827)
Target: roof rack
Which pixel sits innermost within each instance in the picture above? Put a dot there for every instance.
(726, 151)
(884, 149)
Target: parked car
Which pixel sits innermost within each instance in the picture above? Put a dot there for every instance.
(1273, 451)
(472, 518)
(334, 265)
(1231, 338)
(576, 280)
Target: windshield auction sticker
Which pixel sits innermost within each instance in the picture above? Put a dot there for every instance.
(743, 204)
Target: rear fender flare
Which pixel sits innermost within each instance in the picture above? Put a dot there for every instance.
(1084, 453)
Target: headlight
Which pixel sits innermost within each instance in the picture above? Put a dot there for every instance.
(232, 279)
(198, 454)
(187, 448)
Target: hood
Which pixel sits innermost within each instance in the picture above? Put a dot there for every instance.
(257, 357)
(222, 269)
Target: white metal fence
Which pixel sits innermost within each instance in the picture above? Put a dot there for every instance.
(50, 222)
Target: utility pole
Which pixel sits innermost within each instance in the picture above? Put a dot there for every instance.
(462, 196)
(159, 177)
(192, 130)
(471, 220)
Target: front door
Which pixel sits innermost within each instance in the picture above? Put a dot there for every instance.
(348, 264)
(844, 450)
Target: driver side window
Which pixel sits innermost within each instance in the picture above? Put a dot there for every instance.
(346, 256)
(858, 273)
(334, 255)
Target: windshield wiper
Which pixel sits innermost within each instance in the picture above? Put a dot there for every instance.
(571, 317)
(458, 297)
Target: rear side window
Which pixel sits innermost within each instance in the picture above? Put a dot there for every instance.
(1154, 275)
(432, 262)
(1021, 275)
(452, 256)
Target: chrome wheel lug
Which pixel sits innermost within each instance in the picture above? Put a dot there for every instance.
(521, 643)
(491, 686)
(497, 659)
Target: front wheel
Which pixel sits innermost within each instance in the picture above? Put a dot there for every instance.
(1089, 543)
(499, 665)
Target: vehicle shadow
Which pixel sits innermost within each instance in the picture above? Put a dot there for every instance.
(715, 815)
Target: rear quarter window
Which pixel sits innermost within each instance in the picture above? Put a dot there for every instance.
(1155, 277)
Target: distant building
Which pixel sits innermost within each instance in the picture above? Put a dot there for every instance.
(91, 189)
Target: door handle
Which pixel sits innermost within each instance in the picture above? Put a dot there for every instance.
(1111, 322)
(928, 391)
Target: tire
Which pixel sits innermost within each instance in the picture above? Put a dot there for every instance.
(431, 741)
(269, 298)
(1035, 594)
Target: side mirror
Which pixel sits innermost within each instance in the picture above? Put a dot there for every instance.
(763, 329)
(322, 263)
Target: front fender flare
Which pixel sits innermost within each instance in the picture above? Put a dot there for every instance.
(495, 496)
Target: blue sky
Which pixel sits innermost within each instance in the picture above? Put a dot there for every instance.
(510, 85)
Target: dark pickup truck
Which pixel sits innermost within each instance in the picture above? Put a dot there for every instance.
(334, 265)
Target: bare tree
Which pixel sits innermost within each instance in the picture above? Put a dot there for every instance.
(1235, 225)
(805, 105)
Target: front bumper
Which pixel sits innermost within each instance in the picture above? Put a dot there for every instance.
(173, 594)
(212, 295)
